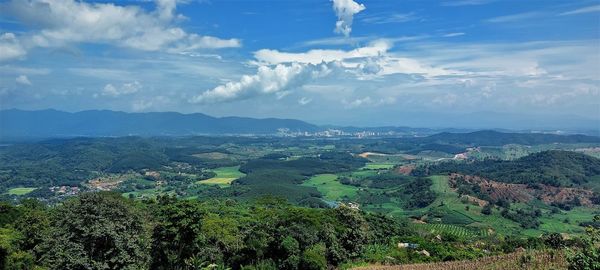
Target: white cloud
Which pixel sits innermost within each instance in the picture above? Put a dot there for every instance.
(372, 59)
(457, 3)
(10, 47)
(123, 89)
(457, 34)
(514, 17)
(589, 9)
(446, 99)
(59, 23)
(317, 56)
(141, 105)
(368, 101)
(149, 103)
(267, 80)
(22, 79)
(13, 70)
(280, 72)
(345, 10)
(390, 18)
(304, 101)
(402, 65)
(334, 41)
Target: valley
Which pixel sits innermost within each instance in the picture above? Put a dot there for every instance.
(455, 196)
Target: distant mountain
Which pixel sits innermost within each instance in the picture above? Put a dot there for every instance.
(16, 124)
(52, 123)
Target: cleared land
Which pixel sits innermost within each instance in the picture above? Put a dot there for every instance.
(225, 175)
(20, 191)
(379, 166)
(330, 187)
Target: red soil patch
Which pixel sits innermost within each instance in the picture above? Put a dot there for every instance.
(522, 193)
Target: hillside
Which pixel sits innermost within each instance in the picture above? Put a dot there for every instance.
(555, 168)
(495, 138)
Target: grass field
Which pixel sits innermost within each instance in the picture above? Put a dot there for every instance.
(225, 175)
(330, 187)
(378, 166)
(148, 193)
(20, 191)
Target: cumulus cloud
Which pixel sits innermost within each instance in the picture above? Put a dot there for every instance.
(10, 47)
(366, 61)
(345, 11)
(267, 80)
(280, 73)
(123, 89)
(317, 56)
(58, 23)
(22, 79)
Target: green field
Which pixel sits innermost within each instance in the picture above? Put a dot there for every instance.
(224, 177)
(330, 187)
(20, 191)
(379, 166)
(454, 230)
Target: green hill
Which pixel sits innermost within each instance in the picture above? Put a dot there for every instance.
(554, 167)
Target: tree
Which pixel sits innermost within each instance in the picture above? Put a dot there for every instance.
(97, 231)
(177, 235)
(553, 240)
(33, 224)
(313, 258)
(588, 256)
(354, 234)
(487, 209)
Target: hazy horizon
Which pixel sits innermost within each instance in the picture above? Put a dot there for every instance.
(472, 121)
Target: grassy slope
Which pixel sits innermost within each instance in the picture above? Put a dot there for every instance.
(551, 223)
(20, 191)
(224, 177)
(330, 187)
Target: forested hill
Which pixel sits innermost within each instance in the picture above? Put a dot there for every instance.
(495, 138)
(556, 168)
(52, 123)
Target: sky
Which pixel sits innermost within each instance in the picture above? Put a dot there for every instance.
(363, 63)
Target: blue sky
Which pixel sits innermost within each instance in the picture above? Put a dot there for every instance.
(340, 62)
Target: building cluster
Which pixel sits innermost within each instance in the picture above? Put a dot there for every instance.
(337, 133)
(65, 190)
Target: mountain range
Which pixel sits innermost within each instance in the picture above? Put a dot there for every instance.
(15, 123)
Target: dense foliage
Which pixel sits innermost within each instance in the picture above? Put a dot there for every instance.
(107, 231)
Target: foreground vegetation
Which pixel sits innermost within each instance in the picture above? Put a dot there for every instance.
(530, 260)
(107, 231)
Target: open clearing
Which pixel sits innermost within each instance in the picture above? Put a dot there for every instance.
(379, 166)
(20, 191)
(224, 177)
(330, 187)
